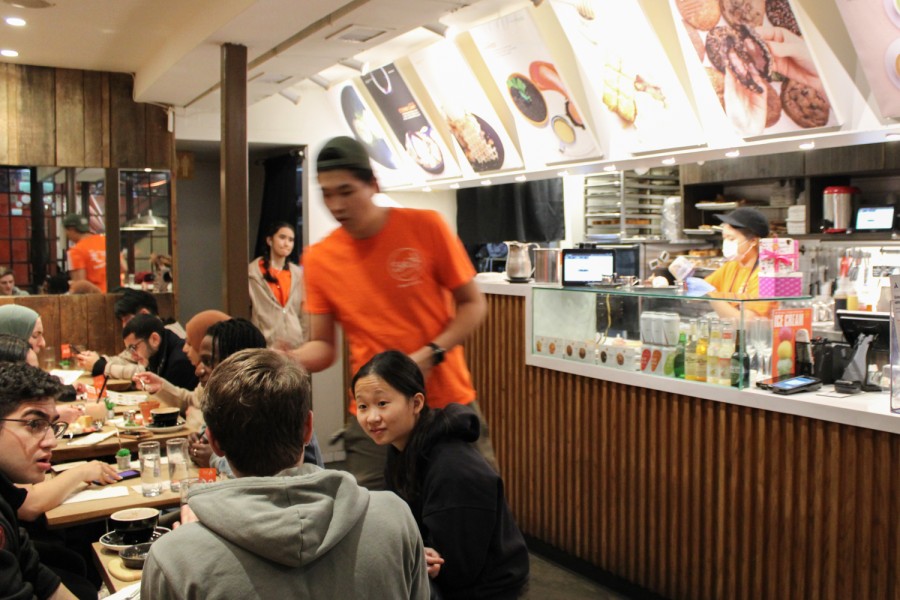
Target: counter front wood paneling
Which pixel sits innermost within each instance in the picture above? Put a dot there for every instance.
(689, 498)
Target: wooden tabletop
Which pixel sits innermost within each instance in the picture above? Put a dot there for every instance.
(108, 447)
(102, 558)
(77, 513)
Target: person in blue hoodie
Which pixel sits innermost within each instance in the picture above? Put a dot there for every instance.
(473, 547)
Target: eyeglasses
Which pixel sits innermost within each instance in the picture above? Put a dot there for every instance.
(40, 426)
(133, 347)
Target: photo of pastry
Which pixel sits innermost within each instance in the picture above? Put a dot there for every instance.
(766, 81)
(479, 142)
(420, 145)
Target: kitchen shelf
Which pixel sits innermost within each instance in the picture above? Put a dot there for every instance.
(622, 196)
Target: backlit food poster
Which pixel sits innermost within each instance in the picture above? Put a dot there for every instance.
(472, 120)
(549, 124)
(389, 166)
(409, 124)
(874, 27)
(634, 94)
(757, 63)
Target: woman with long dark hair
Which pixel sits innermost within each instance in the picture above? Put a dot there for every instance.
(276, 290)
(473, 547)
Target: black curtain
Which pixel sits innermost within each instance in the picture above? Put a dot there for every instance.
(526, 212)
(281, 201)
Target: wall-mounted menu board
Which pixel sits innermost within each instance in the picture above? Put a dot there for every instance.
(757, 63)
(633, 92)
(409, 124)
(475, 125)
(549, 124)
(874, 27)
(389, 166)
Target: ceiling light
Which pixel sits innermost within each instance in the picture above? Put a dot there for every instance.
(454, 186)
(609, 168)
(486, 182)
(9, 53)
(148, 170)
(733, 153)
(320, 81)
(437, 28)
(562, 173)
(427, 188)
(892, 136)
(807, 145)
(29, 3)
(521, 178)
(145, 222)
(669, 161)
(15, 22)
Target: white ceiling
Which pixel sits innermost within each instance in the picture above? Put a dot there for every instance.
(173, 46)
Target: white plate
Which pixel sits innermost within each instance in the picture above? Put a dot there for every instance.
(890, 7)
(113, 541)
(890, 62)
(180, 425)
(125, 399)
(120, 424)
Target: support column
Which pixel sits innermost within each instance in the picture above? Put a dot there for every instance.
(234, 190)
(113, 235)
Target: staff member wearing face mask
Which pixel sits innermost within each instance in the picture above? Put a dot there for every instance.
(739, 276)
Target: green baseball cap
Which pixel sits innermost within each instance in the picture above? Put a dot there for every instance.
(343, 153)
(77, 222)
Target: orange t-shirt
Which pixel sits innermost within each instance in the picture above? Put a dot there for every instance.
(743, 282)
(281, 289)
(90, 254)
(394, 291)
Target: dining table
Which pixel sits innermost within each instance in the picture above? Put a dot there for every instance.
(103, 558)
(71, 448)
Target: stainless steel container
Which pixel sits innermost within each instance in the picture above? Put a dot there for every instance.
(547, 265)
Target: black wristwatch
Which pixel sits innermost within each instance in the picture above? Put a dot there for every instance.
(437, 354)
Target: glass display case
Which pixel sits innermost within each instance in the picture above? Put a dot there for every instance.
(724, 340)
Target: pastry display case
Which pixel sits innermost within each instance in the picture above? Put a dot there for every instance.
(661, 332)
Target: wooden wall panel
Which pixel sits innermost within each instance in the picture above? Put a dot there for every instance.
(36, 112)
(96, 132)
(687, 497)
(70, 125)
(5, 118)
(128, 134)
(160, 143)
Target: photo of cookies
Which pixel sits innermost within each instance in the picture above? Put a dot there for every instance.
(700, 14)
(760, 67)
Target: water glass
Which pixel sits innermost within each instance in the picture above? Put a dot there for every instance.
(186, 484)
(151, 474)
(177, 454)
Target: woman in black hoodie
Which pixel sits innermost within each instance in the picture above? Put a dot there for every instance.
(473, 547)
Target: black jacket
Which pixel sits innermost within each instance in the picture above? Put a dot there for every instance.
(462, 512)
(21, 573)
(171, 363)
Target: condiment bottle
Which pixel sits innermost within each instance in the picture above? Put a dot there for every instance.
(840, 299)
(680, 351)
(712, 352)
(690, 354)
(702, 348)
(740, 363)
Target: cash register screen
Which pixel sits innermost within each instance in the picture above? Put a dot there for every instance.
(854, 323)
(584, 266)
(874, 218)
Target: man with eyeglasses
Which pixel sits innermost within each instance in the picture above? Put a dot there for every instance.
(29, 426)
(159, 350)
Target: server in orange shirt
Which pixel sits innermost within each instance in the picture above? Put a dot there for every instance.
(87, 258)
(739, 276)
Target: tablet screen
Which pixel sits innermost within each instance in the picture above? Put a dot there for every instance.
(875, 218)
(587, 266)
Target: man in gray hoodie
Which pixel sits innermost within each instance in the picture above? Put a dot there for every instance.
(281, 529)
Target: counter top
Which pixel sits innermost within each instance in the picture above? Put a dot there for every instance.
(496, 283)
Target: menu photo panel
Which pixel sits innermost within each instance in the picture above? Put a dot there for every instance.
(475, 126)
(755, 60)
(409, 124)
(549, 124)
(389, 165)
(874, 27)
(633, 92)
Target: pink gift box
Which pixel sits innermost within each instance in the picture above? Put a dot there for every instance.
(778, 256)
(781, 285)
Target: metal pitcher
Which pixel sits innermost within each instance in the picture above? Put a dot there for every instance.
(518, 262)
(547, 265)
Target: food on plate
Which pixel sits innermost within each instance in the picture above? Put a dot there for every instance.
(527, 98)
(552, 348)
(804, 104)
(538, 344)
(715, 46)
(618, 91)
(85, 421)
(746, 12)
(477, 144)
(694, 36)
(568, 349)
(425, 151)
(773, 105)
(702, 14)
(582, 353)
(563, 130)
(717, 81)
(781, 15)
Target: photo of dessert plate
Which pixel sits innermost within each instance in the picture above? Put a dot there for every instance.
(892, 8)
(479, 142)
(892, 62)
(423, 149)
(361, 123)
(527, 99)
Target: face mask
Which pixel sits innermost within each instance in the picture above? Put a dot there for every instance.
(730, 249)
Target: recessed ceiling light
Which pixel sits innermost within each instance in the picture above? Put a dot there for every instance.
(807, 145)
(15, 22)
(562, 173)
(669, 161)
(521, 178)
(426, 188)
(609, 168)
(733, 153)
(148, 170)
(892, 136)
(486, 182)
(9, 53)
(454, 186)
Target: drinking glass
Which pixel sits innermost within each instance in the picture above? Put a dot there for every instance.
(761, 340)
(177, 453)
(151, 475)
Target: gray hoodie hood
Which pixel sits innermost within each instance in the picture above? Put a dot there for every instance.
(291, 518)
